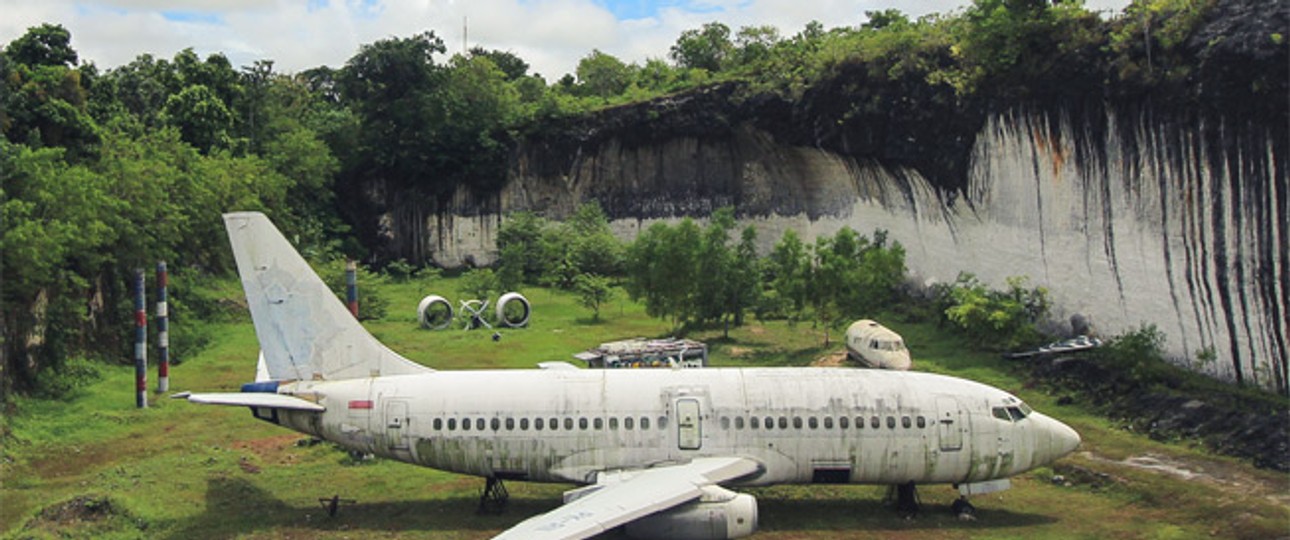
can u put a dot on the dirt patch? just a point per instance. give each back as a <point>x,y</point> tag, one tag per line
<point>736,352</point>
<point>834,359</point>
<point>82,516</point>
<point>757,330</point>
<point>269,450</point>
<point>1226,477</point>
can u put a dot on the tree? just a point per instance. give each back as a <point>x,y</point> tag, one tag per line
<point>44,45</point>
<point>394,86</point>
<point>706,48</point>
<point>479,283</point>
<point>521,242</point>
<point>603,75</point>
<point>201,117</point>
<point>715,263</point>
<point>593,292</point>
<point>745,277</point>
<point>790,270</point>
<point>661,270</point>
<point>753,44</point>
<point>511,65</point>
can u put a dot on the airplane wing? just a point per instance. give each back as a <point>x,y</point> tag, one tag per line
<point>254,399</point>
<point>629,496</point>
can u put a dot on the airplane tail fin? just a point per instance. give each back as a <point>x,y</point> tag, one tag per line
<point>305,332</point>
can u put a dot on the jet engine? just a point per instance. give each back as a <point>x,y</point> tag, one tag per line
<point>717,515</point>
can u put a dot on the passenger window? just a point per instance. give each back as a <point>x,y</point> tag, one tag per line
<point>770,423</point>
<point>828,422</point>
<point>452,424</point>
<point>891,422</point>
<point>537,424</point>
<point>783,422</point>
<point>510,424</point>
<point>554,423</point>
<point>496,424</point>
<point>725,422</point>
<point>875,422</point>
<point>662,422</point>
<point>813,423</point>
<point>438,424</point>
<point>739,422</point>
<point>644,422</point>
<point>465,424</point>
<point>598,423</point>
<point>754,422</point>
<point>905,422</point>
<point>524,424</point>
<point>629,423</point>
<point>568,424</point>
<point>797,422</point>
<point>613,422</point>
<point>582,423</point>
<point>844,422</point>
<point>479,423</point>
<point>922,422</point>
<point>1001,414</point>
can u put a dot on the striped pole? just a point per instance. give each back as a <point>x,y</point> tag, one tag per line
<point>163,330</point>
<point>351,287</point>
<point>140,342</point>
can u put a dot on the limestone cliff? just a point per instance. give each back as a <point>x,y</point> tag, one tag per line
<point>1130,208</point>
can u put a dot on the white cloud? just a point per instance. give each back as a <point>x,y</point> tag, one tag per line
<point>552,35</point>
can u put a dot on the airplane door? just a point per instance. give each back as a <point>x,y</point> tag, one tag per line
<point>396,424</point>
<point>689,431</point>
<point>949,424</point>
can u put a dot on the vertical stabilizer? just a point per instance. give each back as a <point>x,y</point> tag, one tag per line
<point>305,332</point>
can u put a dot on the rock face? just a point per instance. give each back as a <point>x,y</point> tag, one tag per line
<point>1128,210</point>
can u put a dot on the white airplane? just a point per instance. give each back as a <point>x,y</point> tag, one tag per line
<point>655,450</point>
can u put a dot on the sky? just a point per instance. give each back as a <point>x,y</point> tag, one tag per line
<point>551,35</point>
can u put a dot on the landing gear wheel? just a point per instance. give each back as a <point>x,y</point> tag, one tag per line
<point>907,504</point>
<point>494,498</point>
<point>963,509</point>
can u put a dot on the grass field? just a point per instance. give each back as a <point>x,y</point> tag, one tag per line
<point>94,466</point>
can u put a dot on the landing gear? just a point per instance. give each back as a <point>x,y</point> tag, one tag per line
<point>906,496</point>
<point>494,498</point>
<point>963,509</point>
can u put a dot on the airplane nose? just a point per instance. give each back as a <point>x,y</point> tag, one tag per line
<point>1055,440</point>
<point>1066,439</point>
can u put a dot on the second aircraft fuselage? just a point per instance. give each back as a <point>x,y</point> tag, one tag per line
<point>802,425</point>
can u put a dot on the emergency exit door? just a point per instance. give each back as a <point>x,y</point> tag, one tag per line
<point>949,422</point>
<point>689,430</point>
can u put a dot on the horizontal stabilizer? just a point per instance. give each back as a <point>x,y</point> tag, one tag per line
<point>257,399</point>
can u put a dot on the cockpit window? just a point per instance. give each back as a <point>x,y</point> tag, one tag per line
<point>1025,409</point>
<point>1016,413</point>
<point>1001,413</point>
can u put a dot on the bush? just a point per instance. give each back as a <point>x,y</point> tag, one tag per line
<point>996,320</point>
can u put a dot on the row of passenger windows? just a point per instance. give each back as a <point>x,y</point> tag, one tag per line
<point>552,424</point>
<point>630,423</point>
<point>827,422</point>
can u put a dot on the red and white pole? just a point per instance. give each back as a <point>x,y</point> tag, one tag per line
<point>140,341</point>
<point>163,330</point>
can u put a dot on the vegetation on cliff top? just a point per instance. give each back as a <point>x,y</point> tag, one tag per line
<point>105,171</point>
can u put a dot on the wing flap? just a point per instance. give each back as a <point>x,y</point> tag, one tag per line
<point>630,496</point>
<point>256,399</point>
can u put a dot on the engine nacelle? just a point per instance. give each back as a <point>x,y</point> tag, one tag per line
<point>717,515</point>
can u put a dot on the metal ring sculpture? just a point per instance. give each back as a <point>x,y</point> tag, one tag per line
<point>432,317</point>
<point>513,321</point>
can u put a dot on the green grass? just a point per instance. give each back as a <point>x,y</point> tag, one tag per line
<point>177,470</point>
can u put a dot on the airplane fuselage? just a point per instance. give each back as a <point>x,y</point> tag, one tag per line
<point>802,425</point>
